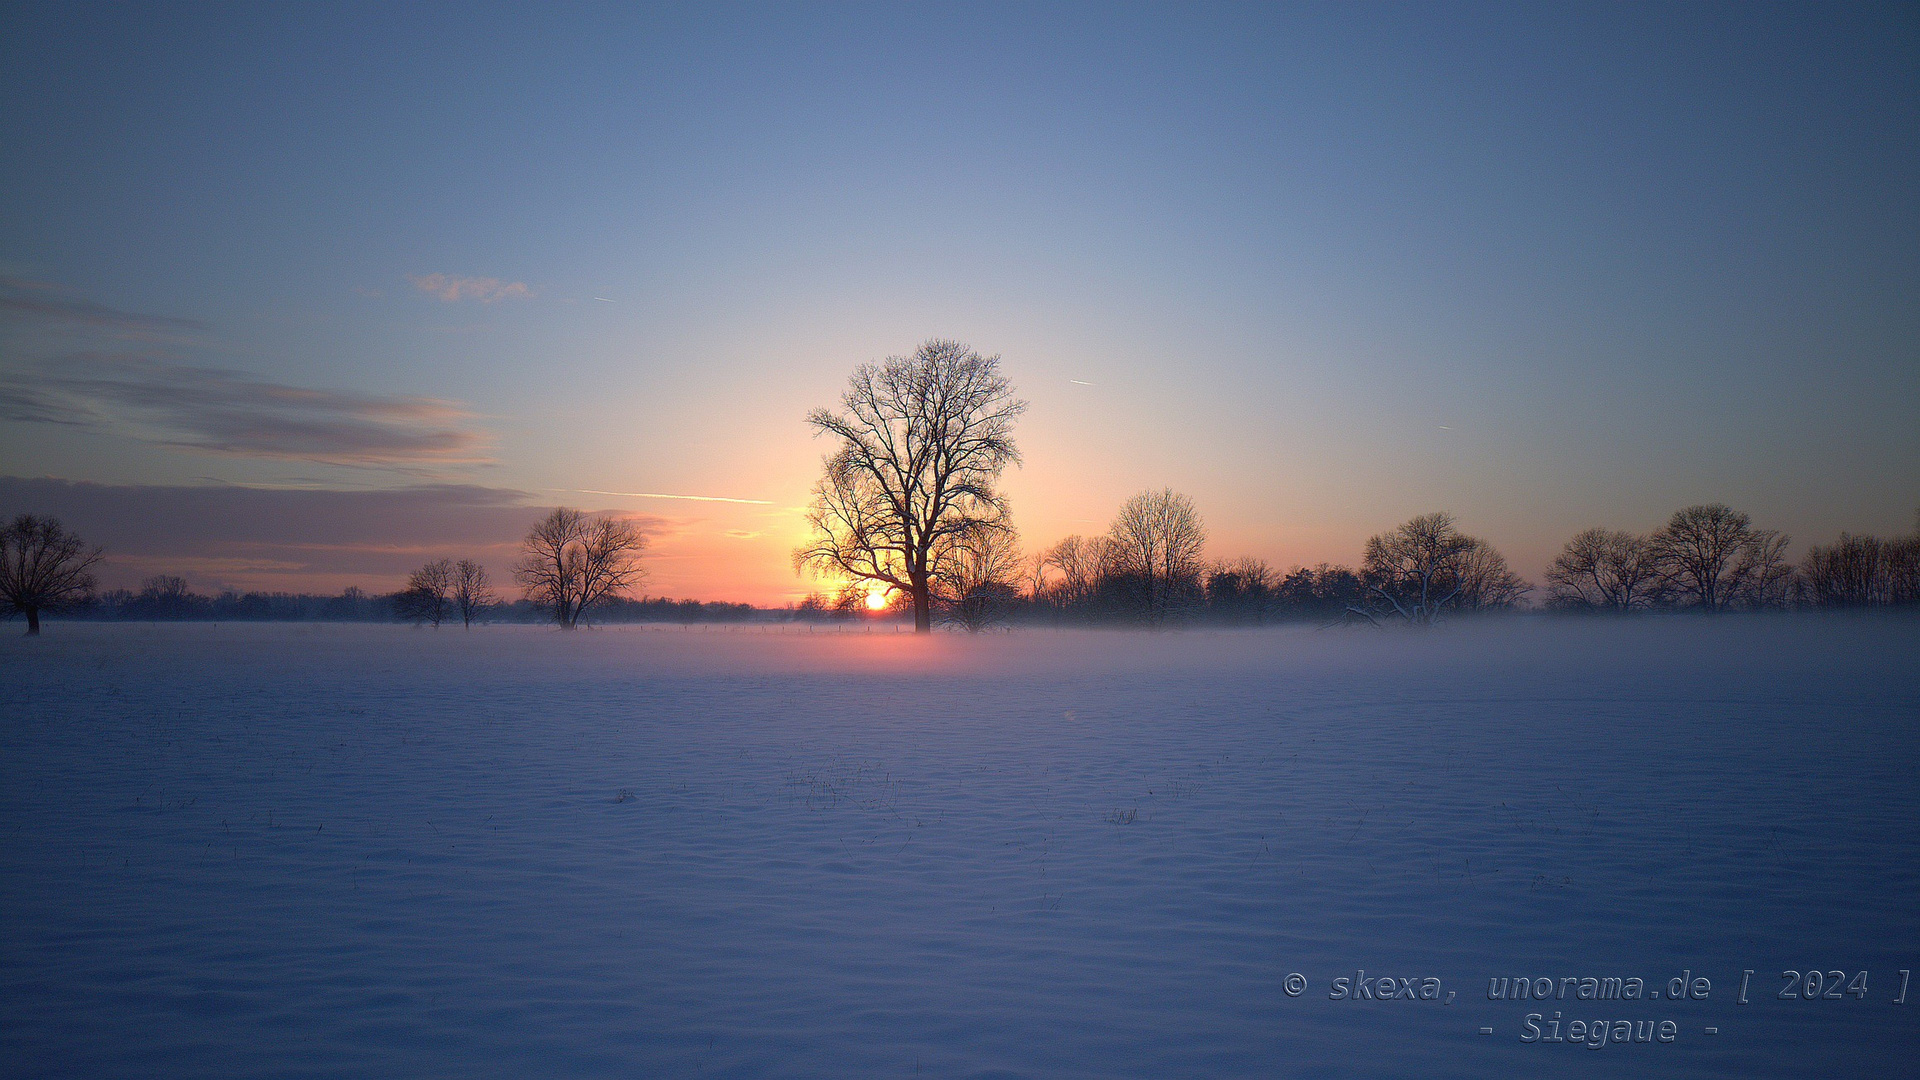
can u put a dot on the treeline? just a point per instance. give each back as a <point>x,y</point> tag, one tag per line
<point>168,598</point>
<point>1149,568</point>
<point>1712,558</point>
<point>909,514</point>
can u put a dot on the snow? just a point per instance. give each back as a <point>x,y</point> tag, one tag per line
<point>312,850</point>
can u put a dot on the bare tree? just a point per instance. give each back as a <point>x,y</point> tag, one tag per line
<point>1033,575</point>
<point>1427,567</point>
<point>1321,592</point>
<point>43,567</point>
<point>166,596</point>
<point>426,597</point>
<point>1080,561</point>
<point>974,586</point>
<point>1850,573</point>
<point>1762,577</point>
<point>1242,590</point>
<point>923,441</point>
<point>1157,539</point>
<point>1486,583</point>
<point>1903,567</point>
<point>1713,554</point>
<point>472,590</point>
<point>569,562</point>
<point>1605,569</point>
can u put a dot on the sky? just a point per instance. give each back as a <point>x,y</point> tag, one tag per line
<point>301,296</point>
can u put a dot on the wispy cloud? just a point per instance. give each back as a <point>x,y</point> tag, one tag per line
<point>243,536</point>
<point>453,289</point>
<point>658,495</point>
<point>26,404</point>
<point>215,410</point>
<point>28,301</point>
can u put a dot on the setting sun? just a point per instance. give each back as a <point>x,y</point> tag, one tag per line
<point>876,600</point>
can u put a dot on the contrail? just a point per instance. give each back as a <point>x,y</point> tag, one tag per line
<point>1082,382</point>
<point>603,299</point>
<point>658,495</point>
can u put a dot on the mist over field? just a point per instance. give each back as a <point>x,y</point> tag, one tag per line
<point>354,850</point>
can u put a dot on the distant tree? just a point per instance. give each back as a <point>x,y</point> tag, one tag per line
<point>570,562</point>
<point>1603,569</point>
<point>975,585</point>
<point>923,440</point>
<point>1033,575</point>
<point>1324,592</point>
<point>350,604</point>
<point>166,596</point>
<point>1080,561</point>
<point>472,590</point>
<point>427,595</point>
<point>43,567</point>
<point>1427,567</point>
<point>1486,584</point>
<point>1903,567</point>
<point>1241,590</point>
<point>1157,541</point>
<point>1861,571</point>
<point>1850,573</point>
<point>1762,577</point>
<point>1712,555</point>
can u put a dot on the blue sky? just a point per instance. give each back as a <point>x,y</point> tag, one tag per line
<point>1324,266</point>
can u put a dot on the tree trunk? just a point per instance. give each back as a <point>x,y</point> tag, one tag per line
<point>33,622</point>
<point>922,610</point>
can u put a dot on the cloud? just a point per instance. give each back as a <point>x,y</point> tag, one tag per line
<point>24,404</point>
<point>214,410</point>
<point>657,495</point>
<point>454,289</point>
<point>290,539</point>
<point>24,300</point>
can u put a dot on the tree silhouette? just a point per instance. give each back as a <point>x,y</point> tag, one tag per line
<point>1081,561</point>
<point>1157,541</point>
<point>1241,590</point>
<point>975,583</point>
<point>569,562</point>
<point>1713,554</point>
<point>472,590</point>
<point>1426,567</point>
<point>1607,570</point>
<point>43,567</point>
<point>426,597</point>
<point>923,441</point>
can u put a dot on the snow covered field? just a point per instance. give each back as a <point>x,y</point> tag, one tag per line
<point>307,850</point>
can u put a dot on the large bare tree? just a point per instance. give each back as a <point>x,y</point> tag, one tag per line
<point>1157,540</point>
<point>923,440</point>
<point>1427,567</point>
<point>569,562</point>
<point>1605,569</point>
<point>1713,554</point>
<point>43,567</point>
<point>1486,582</point>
